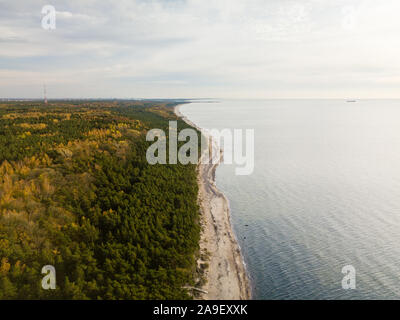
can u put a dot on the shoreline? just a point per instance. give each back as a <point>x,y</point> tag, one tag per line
<point>226,276</point>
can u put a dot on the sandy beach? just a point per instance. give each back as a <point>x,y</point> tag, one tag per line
<point>226,276</point>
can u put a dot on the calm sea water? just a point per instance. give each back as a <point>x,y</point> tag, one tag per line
<point>325,193</point>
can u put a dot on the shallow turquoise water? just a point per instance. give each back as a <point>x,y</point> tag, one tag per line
<point>325,193</point>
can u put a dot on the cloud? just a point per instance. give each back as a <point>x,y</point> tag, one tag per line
<point>197,48</point>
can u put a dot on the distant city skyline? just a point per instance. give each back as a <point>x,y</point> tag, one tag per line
<point>195,49</point>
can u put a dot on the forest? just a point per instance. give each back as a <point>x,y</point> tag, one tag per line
<point>77,193</point>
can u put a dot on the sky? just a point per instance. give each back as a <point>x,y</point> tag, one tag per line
<point>201,49</point>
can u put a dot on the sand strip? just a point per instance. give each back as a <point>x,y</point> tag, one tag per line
<point>226,275</point>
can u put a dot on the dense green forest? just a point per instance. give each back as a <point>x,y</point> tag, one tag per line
<point>76,192</point>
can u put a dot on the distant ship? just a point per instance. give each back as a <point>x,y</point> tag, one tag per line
<point>351,100</point>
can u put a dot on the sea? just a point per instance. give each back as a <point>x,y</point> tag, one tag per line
<point>319,217</point>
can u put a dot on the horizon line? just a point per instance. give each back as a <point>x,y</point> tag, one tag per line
<point>186,99</point>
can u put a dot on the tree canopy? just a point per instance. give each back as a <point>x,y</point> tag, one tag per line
<point>76,192</point>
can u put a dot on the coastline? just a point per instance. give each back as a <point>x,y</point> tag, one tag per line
<point>226,276</point>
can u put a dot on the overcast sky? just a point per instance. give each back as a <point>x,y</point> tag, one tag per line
<point>201,48</point>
